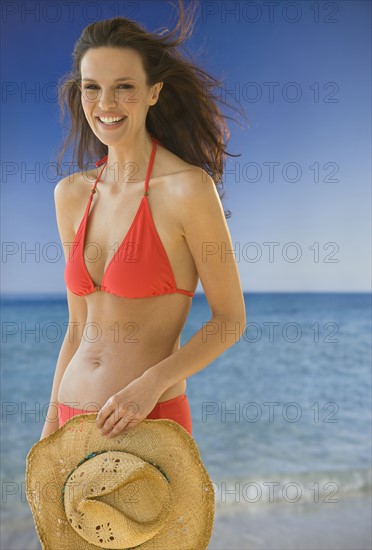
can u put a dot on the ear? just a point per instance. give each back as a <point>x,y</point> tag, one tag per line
<point>156,92</point>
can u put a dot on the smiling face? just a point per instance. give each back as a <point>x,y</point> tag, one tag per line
<point>113,85</point>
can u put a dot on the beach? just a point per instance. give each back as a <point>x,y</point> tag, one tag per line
<point>347,525</point>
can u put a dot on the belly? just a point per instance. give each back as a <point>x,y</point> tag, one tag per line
<point>104,365</point>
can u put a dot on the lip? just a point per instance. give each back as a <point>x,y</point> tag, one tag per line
<point>110,128</point>
<point>110,115</point>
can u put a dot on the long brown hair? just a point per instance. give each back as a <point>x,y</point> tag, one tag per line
<point>186,118</point>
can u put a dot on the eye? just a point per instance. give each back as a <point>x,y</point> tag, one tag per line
<point>93,86</point>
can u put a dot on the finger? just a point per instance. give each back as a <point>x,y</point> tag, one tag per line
<point>102,417</point>
<point>117,427</point>
<point>113,419</point>
<point>123,426</point>
<point>104,413</point>
<point>123,412</point>
<point>108,420</point>
<point>117,412</point>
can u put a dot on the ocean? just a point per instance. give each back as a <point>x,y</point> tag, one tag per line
<point>282,419</point>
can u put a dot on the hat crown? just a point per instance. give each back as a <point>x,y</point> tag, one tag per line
<point>116,499</point>
<point>159,452</point>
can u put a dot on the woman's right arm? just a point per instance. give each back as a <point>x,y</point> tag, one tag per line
<point>77,308</point>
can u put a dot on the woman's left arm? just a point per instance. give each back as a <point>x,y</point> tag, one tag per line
<point>208,238</point>
<point>207,235</point>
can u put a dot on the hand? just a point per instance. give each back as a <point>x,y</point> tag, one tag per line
<point>126,408</point>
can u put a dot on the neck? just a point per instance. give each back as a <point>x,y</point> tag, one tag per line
<point>127,163</point>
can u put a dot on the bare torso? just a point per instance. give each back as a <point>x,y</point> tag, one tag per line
<point>124,337</point>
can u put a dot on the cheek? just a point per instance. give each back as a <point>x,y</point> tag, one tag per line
<point>89,117</point>
<point>134,102</point>
<point>87,106</point>
<point>88,109</point>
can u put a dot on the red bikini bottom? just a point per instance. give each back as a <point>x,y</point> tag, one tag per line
<point>177,409</point>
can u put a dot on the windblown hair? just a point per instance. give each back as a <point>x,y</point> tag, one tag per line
<point>186,119</point>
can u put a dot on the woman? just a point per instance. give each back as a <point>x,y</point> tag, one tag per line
<point>139,230</point>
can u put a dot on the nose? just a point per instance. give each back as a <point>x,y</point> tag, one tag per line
<point>107,99</point>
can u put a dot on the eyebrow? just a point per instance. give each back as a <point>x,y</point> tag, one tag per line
<point>116,79</point>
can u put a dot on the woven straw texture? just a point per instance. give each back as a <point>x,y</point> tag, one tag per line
<point>166,501</point>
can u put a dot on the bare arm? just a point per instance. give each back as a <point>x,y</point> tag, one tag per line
<point>208,238</point>
<point>76,304</point>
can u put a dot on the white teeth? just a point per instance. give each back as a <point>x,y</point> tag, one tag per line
<point>110,120</point>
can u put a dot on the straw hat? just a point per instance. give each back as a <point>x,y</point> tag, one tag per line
<point>146,488</point>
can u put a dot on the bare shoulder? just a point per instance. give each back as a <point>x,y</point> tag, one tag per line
<point>195,191</point>
<point>74,184</point>
<point>188,182</point>
<point>70,196</point>
<point>196,184</point>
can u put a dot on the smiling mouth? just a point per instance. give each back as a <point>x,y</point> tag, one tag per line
<point>110,121</point>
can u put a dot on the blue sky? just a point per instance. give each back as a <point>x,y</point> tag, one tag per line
<point>300,192</point>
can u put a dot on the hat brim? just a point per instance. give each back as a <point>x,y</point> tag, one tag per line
<point>162,442</point>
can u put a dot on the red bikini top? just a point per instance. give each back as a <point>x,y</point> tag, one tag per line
<point>140,268</point>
